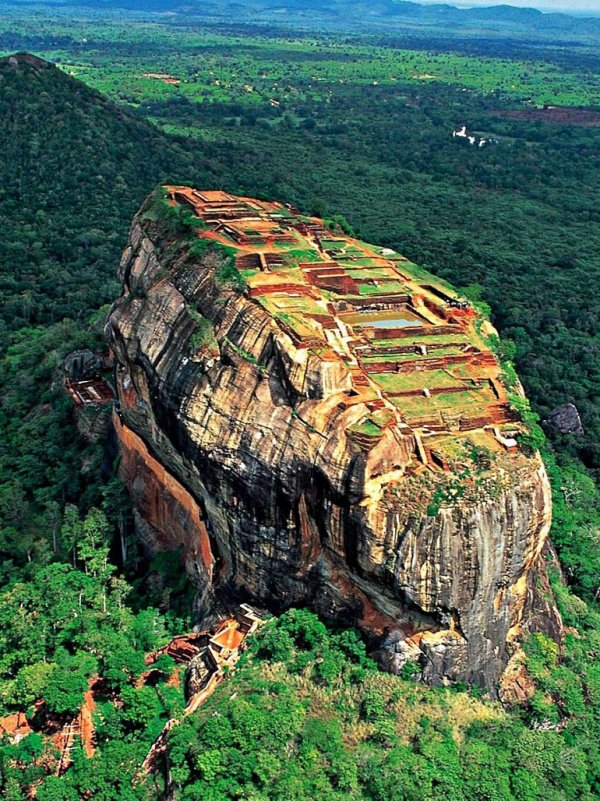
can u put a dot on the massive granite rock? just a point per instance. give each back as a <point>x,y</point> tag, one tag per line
<point>244,447</point>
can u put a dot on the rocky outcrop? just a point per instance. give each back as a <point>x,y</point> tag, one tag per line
<point>238,448</point>
<point>565,419</point>
<point>82,365</point>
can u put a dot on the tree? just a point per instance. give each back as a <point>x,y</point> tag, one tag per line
<point>66,684</point>
<point>55,788</point>
<point>31,682</point>
<point>121,661</point>
<point>117,507</point>
<point>141,708</point>
<point>94,549</point>
<point>51,521</point>
<point>71,531</point>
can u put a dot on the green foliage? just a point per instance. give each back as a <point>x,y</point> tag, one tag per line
<point>182,222</point>
<point>122,659</point>
<point>228,276</point>
<point>575,528</point>
<point>41,458</point>
<point>277,730</point>
<point>176,218</point>
<point>61,628</point>
<point>300,640</point>
<point>533,438</point>
<point>565,687</point>
<point>339,223</point>
<point>64,613</point>
<point>66,684</point>
<point>474,293</point>
<point>166,586</point>
<point>74,170</point>
<point>204,335</point>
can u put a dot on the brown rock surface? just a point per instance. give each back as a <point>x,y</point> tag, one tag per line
<point>257,460</point>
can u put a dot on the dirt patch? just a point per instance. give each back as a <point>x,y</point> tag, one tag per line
<point>555,115</point>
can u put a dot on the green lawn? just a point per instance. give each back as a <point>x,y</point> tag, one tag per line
<point>383,288</point>
<point>414,356</point>
<point>403,382</point>
<point>420,339</point>
<point>366,428</point>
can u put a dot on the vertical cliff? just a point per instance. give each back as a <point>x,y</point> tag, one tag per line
<point>317,421</point>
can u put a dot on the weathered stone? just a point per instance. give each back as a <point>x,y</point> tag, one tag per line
<point>246,462</point>
<point>566,419</point>
<point>83,364</point>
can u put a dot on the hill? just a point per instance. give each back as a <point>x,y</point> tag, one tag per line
<point>74,167</point>
<point>346,13</point>
<point>400,419</point>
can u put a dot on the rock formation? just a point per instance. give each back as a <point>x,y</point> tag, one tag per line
<point>318,422</point>
<point>565,419</point>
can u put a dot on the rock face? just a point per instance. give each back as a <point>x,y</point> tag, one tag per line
<point>566,419</point>
<point>289,476</point>
<point>82,365</point>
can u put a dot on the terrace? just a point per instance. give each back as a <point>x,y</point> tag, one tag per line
<point>404,317</point>
<point>330,276</point>
<point>410,343</point>
<point>89,392</point>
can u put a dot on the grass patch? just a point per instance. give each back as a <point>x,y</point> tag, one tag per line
<point>403,382</point>
<point>204,335</point>
<point>383,288</point>
<point>367,428</point>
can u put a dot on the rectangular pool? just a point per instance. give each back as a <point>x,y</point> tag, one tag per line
<point>390,319</point>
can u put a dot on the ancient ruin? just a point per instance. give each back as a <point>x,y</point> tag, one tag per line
<point>210,657</point>
<point>84,380</point>
<point>416,352</point>
<point>316,420</point>
<point>207,657</point>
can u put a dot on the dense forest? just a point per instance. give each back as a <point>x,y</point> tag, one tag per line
<point>307,714</point>
<point>74,171</point>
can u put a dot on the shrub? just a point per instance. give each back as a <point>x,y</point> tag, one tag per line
<point>228,275</point>
<point>204,335</point>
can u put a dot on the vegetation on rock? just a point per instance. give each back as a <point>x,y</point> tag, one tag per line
<point>312,717</point>
<point>345,730</point>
